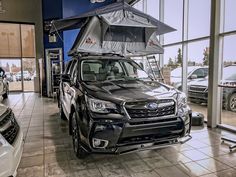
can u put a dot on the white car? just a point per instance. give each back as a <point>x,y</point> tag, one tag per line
<point>11,142</point>
<point>26,76</point>
<point>194,73</point>
<point>4,87</point>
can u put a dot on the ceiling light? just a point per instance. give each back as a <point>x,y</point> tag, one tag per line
<point>94,1</point>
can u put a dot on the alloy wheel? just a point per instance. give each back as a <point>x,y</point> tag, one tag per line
<point>75,137</point>
<point>232,103</point>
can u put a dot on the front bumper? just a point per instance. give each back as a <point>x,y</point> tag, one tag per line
<point>198,96</point>
<point>127,136</point>
<point>10,156</point>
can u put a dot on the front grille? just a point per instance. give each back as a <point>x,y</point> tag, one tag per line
<point>166,120</point>
<point>11,132</point>
<point>198,88</point>
<point>197,94</point>
<point>5,117</point>
<point>139,109</point>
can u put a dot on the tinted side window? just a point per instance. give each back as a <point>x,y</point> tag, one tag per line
<point>74,73</point>
<point>71,67</point>
<point>67,67</point>
<point>205,72</point>
<point>199,73</point>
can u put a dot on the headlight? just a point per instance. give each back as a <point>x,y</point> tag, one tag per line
<point>182,100</point>
<point>100,106</point>
<point>2,141</point>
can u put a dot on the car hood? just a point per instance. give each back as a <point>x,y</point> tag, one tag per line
<point>3,109</point>
<point>175,79</point>
<point>135,90</point>
<point>200,82</point>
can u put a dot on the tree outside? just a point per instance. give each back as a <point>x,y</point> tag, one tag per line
<point>206,56</point>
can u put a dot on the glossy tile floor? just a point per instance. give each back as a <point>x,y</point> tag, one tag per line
<point>48,150</point>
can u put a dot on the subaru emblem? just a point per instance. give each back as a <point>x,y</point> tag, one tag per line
<point>152,106</point>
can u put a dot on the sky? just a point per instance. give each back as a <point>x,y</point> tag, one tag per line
<point>199,26</point>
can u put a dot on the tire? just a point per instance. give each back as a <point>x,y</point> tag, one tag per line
<point>62,114</point>
<point>77,145</point>
<point>5,95</point>
<point>232,103</point>
<point>179,88</point>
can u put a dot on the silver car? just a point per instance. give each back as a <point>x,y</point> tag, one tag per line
<point>194,73</point>
<point>4,87</point>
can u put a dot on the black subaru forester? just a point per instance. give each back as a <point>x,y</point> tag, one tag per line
<point>113,106</point>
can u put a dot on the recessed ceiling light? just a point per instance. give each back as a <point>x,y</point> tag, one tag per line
<point>94,1</point>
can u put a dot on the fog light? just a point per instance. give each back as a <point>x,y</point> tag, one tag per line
<point>100,128</point>
<point>99,143</point>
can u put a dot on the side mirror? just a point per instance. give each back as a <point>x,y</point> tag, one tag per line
<point>194,76</point>
<point>141,65</point>
<point>151,76</point>
<point>66,78</point>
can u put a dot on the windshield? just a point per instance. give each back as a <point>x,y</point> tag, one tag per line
<point>110,69</point>
<point>229,73</point>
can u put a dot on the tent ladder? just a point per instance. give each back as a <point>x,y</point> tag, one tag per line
<point>155,68</point>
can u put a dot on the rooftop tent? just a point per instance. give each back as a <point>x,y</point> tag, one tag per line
<point>117,28</point>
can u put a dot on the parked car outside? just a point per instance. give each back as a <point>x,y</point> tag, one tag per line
<point>194,73</point>
<point>26,76</point>
<point>112,106</point>
<point>9,76</point>
<point>11,142</point>
<point>198,90</point>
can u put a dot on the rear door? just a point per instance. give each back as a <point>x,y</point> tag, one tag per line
<point>64,88</point>
<point>68,91</point>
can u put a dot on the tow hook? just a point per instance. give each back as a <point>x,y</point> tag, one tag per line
<point>185,139</point>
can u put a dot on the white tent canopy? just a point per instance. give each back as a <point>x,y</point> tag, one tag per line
<point>117,28</point>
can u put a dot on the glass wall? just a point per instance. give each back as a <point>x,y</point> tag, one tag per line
<point>229,14</point>
<point>196,14</point>
<point>198,58</point>
<point>153,8</point>
<point>12,68</point>
<point>18,49</point>
<point>139,5</point>
<point>199,18</point>
<point>228,81</point>
<point>27,39</point>
<point>10,45</point>
<point>173,16</point>
<point>29,72</point>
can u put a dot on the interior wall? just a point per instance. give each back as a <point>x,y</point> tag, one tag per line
<point>25,11</point>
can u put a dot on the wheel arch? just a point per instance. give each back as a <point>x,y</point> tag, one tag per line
<point>72,110</point>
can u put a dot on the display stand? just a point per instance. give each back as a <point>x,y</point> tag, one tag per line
<point>231,140</point>
<point>228,139</point>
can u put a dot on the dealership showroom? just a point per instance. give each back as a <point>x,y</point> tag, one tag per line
<point>117,88</point>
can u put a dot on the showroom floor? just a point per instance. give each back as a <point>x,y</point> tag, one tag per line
<point>48,150</point>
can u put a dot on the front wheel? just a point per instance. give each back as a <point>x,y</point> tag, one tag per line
<point>62,114</point>
<point>77,146</point>
<point>232,103</point>
<point>5,95</point>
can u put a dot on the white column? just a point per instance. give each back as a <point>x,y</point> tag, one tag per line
<point>214,99</point>
<point>185,46</point>
<point>161,38</point>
